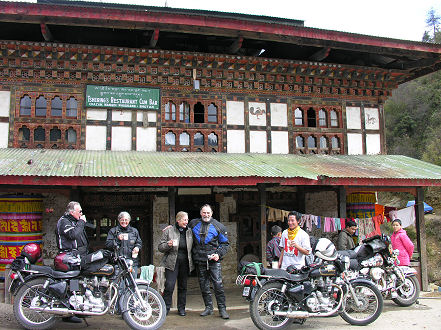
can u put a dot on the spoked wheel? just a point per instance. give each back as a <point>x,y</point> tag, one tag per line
<point>269,299</point>
<point>33,295</point>
<point>408,293</point>
<point>148,318</point>
<point>368,306</point>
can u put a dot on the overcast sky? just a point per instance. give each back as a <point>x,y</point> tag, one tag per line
<point>402,19</point>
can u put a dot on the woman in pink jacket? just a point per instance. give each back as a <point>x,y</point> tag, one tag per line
<point>402,242</point>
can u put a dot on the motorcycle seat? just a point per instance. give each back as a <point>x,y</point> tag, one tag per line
<point>349,253</point>
<point>283,274</point>
<point>54,273</point>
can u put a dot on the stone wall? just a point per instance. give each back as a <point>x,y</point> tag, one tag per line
<point>54,206</point>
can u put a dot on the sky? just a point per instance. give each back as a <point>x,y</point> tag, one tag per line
<point>400,19</point>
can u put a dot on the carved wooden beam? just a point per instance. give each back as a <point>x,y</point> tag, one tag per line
<point>236,45</point>
<point>154,38</point>
<point>321,54</point>
<point>47,35</point>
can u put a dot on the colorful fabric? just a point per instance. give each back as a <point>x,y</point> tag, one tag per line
<point>292,233</point>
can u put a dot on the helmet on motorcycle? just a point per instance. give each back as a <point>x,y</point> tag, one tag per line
<point>66,262</point>
<point>325,249</point>
<point>32,252</point>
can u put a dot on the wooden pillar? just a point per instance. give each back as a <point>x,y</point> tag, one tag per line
<point>342,202</point>
<point>262,203</point>
<point>171,205</point>
<point>421,237</point>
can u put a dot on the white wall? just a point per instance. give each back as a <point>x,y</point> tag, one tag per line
<point>373,144</point>
<point>279,114</point>
<point>353,117</point>
<point>121,139</point>
<point>96,114</point>
<point>235,113</point>
<point>235,141</point>
<point>95,137</point>
<point>258,142</point>
<point>122,115</point>
<point>355,144</point>
<point>259,118</point>
<point>151,116</point>
<point>146,139</point>
<point>4,133</point>
<point>279,142</point>
<point>5,103</point>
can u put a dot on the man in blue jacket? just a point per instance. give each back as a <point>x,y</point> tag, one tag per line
<point>210,244</point>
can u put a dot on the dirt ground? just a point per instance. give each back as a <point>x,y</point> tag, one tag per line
<point>424,315</point>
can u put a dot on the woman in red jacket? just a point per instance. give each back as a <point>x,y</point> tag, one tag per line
<point>402,242</point>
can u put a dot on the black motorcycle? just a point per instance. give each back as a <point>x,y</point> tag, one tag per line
<point>279,298</point>
<point>42,293</point>
<point>375,260</point>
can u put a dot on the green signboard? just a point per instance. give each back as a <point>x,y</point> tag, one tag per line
<point>122,97</point>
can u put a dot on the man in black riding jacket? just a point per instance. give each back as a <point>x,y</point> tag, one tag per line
<point>210,244</point>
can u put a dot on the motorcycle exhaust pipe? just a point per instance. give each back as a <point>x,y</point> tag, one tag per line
<point>294,314</point>
<point>64,311</point>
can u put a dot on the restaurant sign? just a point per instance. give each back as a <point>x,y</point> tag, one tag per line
<point>122,97</point>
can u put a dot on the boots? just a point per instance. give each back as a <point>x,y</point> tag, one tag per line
<point>208,311</point>
<point>223,313</point>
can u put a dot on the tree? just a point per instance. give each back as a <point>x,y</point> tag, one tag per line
<point>432,21</point>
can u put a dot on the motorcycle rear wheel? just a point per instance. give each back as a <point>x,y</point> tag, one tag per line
<point>371,304</point>
<point>408,293</point>
<point>31,294</point>
<point>136,317</point>
<point>268,299</point>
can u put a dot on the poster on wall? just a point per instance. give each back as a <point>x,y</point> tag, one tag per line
<point>122,97</point>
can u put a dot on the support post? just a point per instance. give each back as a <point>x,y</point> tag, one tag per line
<point>171,205</point>
<point>421,237</point>
<point>262,203</point>
<point>342,201</point>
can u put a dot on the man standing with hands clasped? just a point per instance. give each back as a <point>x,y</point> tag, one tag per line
<point>210,244</point>
<point>295,244</point>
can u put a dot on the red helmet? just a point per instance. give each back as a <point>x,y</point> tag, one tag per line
<point>32,251</point>
<point>66,262</point>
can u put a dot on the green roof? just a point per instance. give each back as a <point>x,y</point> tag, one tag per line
<point>135,164</point>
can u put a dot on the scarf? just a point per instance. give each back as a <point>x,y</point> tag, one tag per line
<point>293,233</point>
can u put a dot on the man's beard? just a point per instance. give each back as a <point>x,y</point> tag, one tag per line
<point>206,219</point>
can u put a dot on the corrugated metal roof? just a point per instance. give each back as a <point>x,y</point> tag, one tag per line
<point>113,164</point>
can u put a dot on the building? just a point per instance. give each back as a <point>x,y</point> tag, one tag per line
<point>154,110</point>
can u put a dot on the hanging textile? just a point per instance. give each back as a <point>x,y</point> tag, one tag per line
<point>361,205</point>
<point>406,215</point>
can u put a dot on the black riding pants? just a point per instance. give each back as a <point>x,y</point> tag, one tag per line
<point>211,272</point>
<point>181,274</point>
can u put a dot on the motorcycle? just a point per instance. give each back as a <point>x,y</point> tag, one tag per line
<point>375,260</point>
<point>42,293</point>
<point>279,298</point>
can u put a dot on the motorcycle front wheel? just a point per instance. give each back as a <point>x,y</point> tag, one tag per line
<point>408,293</point>
<point>33,294</point>
<point>369,306</point>
<point>267,300</point>
<point>139,318</point>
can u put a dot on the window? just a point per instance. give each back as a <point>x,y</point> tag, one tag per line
<point>323,143</point>
<point>212,113</point>
<point>298,114</point>
<point>54,135</point>
<point>56,107</point>
<point>212,139</point>
<point>322,118</point>
<point>184,139</point>
<point>24,134</point>
<point>300,142</point>
<point>199,113</point>
<point>170,111</point>
<point>71,136</point>
<point>335,142</point>
<point>170,139</point>
<point>40,107</point>
<point>334,118</point>
<point>311,118</point>
<point>184,112</point>
<point>198,139</point>
<point>71,107</point>
<point>312,142</point>
<point>25,106</point>
<point>39,134</point>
